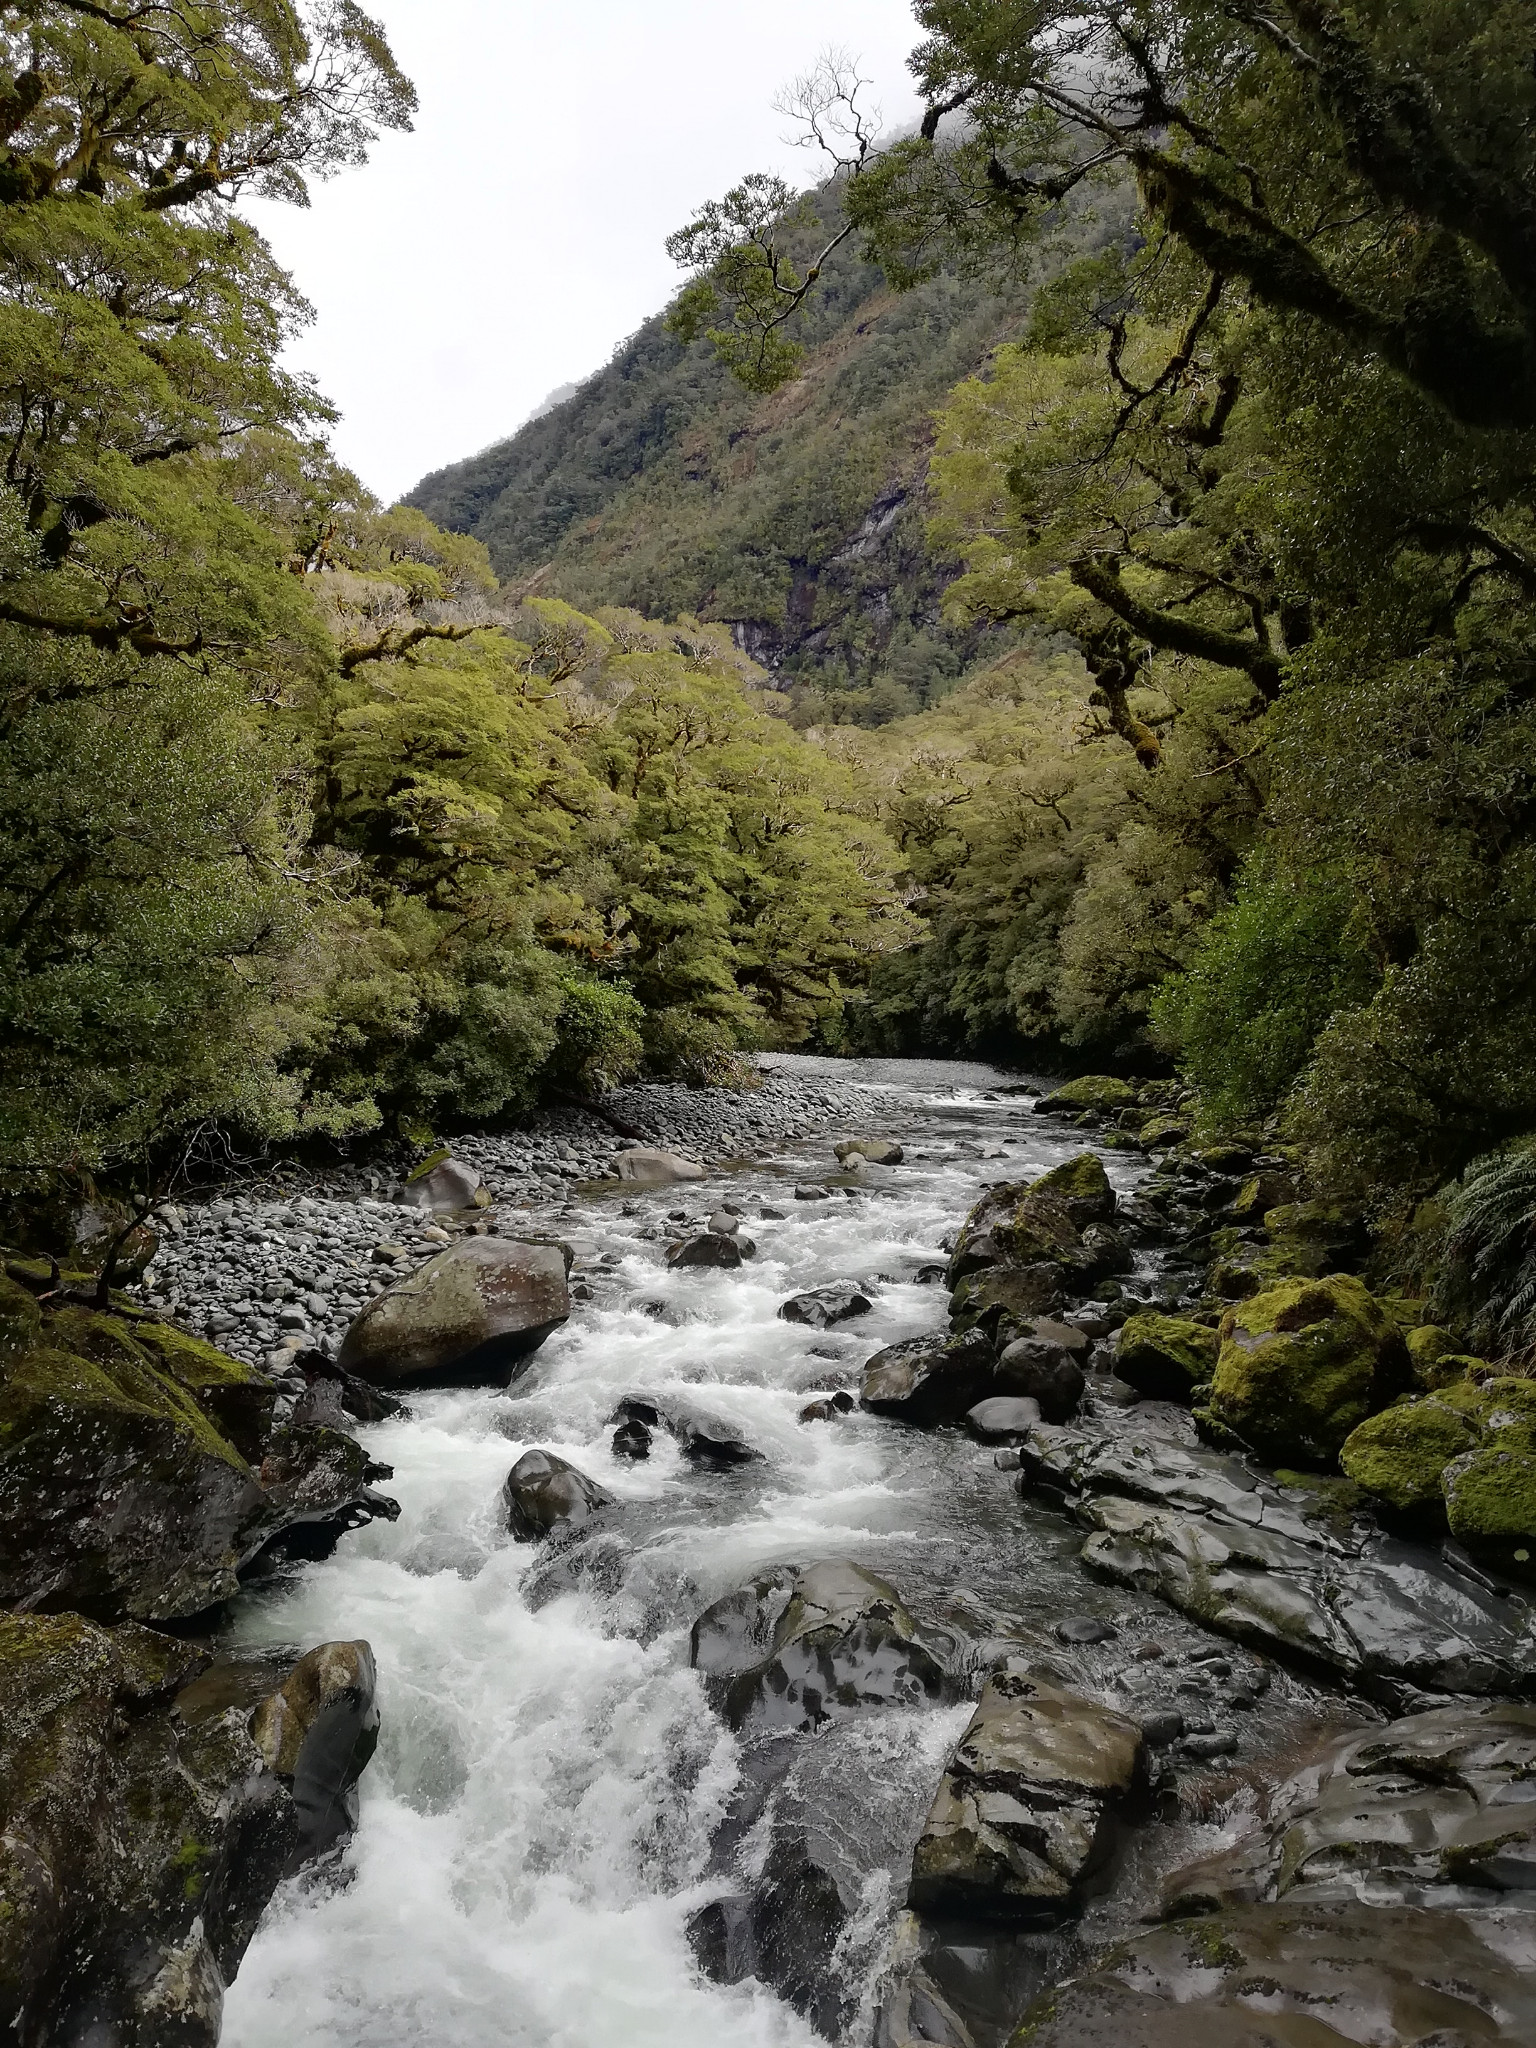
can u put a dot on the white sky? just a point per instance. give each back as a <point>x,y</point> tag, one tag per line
<point>508,244</point>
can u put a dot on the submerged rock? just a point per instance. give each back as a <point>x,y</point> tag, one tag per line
<point>797,1649</point>
<point>544,1493</point>
<point>703,1437</point>
<point>1322,1976</point>
<point>153,1801</point>
<point>121,1495</point>
<point>1026,1808</point>
<point>1301,1366</point>
<point>467,1317</point>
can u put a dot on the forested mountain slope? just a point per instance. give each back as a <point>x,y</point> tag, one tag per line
<point>797,519</point>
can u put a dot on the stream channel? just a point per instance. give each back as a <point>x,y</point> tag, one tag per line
<point>544,1814</point>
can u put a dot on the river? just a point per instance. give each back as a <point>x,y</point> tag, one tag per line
<point>536,1826</point>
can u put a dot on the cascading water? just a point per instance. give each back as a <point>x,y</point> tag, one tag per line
<point>536,1827</point>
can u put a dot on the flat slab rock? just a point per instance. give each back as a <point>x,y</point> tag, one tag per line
<point>1026,1808</point>
<point>798,1649</point>
<point>1435,1809</point>
<point>1268,1566</point>
<point>1305,1977</point>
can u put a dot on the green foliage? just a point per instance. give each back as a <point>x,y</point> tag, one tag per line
<point>1491,1246</point>
<point>1273,967</point>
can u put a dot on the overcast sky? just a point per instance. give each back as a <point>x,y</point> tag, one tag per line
<point>515,237</point>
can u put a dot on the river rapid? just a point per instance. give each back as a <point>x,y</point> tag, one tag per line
<point>537,1825</point>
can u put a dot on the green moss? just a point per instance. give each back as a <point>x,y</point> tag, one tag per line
<point>1260,1193</point>
<point>1165,1357</point>
<point>1099,1092</point>
<point>118,1382</point>
<point>20,1320</point>
<point>433,1159</point>
<point>1081,1180</point>
<point>1302,1365</point>
<point>1319,1222</point>
<point>1399,1455</point>
<point>1490,1501</point>
<point>1158,1132</point>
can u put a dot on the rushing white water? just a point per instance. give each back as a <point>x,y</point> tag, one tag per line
<point>536,1824</point>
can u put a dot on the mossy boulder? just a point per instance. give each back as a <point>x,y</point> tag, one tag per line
<point>1260,1193</point>
<point>1161,1131</point>
<point>1165,1358</point>
<point>145,1826</point>
<point>1100,1093</point>
<point>1301,1366</point>
<point>121,1495</point>
<point>1490,1502</point>
<point>1398,1455</point>
<point>1042,1224</point>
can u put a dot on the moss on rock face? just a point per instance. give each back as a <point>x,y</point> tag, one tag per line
<point>1099,1092</point>
<point>1490,1502</point>
<point>1165,1357</point>
<point>1301,1366</point>
<point>1399,1455</point>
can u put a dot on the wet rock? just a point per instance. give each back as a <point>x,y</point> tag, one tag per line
<point>724,1223</point>
<point>812,1191</point>
<point>1433,1809</point>
<point>1164,1357</point>
<point>469,1316</point>
<point>152,1805</point>
<point>654,1167</point>
<point>1301,1366</point>
<point>446,1183</point>
<point>913,2011</point>
<point>1083,1628</point>
<point>1042,1369</point>
<point>631,1440</point>
<point>820,1307</point>
<point>929,1380</point>
<point>708,1250</point>
<point>1003,1419</point>
<point>828,1408</point>
<point>797,1649</point>
<point>699,1435</point>
<point>1002,1301</point>
<point>877,1151</point>
<point>1026,1808</point>
<point>1320,1976</point>
<point>120,1495</point>
<point>544,1492</point>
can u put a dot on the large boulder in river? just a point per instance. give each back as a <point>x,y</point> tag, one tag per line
<point>929,1380</point>
<point>1042,1224</point>
<point>797,1649</point>
<point>467,1317</point>
<point>1345,1976</point>
<point>153,1800</point>
<point>138,1470</point>
<point>655,1167</point>
<point>1043,1365</point>
<point>1026,1808</point>
<point>712,1248</point>
<point>1301,1366</point>
<point>544,1493</point>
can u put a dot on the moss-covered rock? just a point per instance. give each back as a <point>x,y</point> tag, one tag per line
<point>1490,1502</point>
<point>1101,1093</point>
<point>1165,1357</point>
<point>1161,1131</point>
<point>1042,1224</point>
<point>1260,1193</point>
<point>1398,1455</point>
<point>121,1494</point>
<point>1301,1366</point>
<point>145,1830</point>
